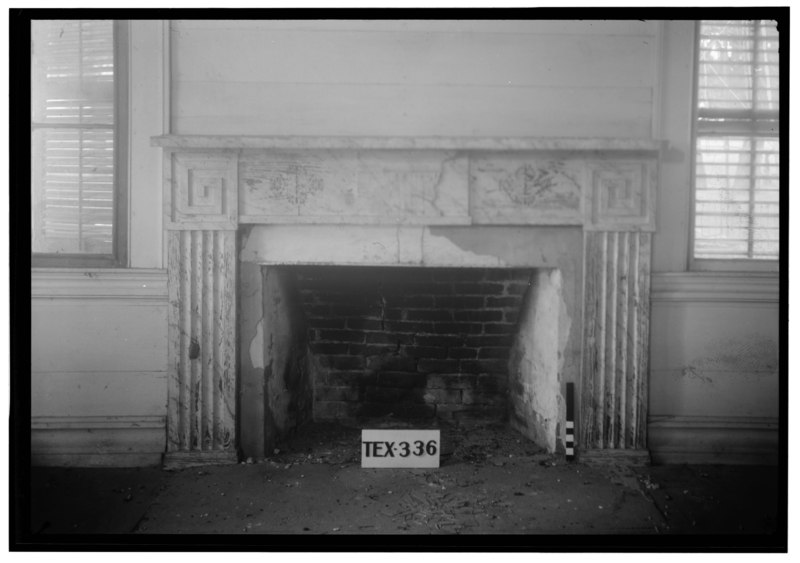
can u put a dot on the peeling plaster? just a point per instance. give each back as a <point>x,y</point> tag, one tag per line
<point>441,246</point>
<point>537,361</point>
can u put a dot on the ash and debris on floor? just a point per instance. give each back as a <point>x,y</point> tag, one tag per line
<point>491,480</point>
<point>337,444</point>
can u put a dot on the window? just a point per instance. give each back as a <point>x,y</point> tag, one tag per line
<point>736,170</point>
<point>78,101</point>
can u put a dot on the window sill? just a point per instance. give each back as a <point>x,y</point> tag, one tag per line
<point>74,261</point>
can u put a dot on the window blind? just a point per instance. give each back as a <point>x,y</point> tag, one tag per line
<point>737,198</point>
<point>72,125</point>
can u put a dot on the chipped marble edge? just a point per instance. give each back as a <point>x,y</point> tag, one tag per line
<point>410,143</point>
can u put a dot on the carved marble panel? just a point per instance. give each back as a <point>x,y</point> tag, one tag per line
<point>526,189</point>
<point>202,191</point>
<point>327,186</point>
<point>622,195</point>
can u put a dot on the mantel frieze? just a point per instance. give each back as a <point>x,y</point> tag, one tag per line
<point>215,183</point>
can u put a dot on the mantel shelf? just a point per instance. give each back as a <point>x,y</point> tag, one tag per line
<point>410,143</point>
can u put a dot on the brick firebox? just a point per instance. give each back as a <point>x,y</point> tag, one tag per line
<point>355,343</point>
<point>411,343</point>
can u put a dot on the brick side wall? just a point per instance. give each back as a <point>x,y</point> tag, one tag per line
<point>413,342</point>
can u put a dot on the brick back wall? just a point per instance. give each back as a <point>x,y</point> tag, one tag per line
<point>412,342</point>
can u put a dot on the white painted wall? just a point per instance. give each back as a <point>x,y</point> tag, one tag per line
<point>146,118</point>
<point>472,78</point>
<point>102,354</point>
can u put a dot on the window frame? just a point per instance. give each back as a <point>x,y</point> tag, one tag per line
<point>120,232</point>
<point>716,264</point>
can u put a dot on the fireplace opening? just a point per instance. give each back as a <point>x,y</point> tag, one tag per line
<point>414,344</point>
<point>417,346</point>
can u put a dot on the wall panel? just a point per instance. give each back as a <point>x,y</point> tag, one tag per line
<point>516,26</point>
<point>411,57</point>
<point>98,367</point>
<point>714,379</point>
<point>413,78</point>
<point>127,393</point>
<point>98,336</point>
<point>406,110</point>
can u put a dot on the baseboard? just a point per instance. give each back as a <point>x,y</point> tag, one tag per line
<point>115,460</point>
<point>632,458</point>
<point>182,460</point>
<point>98,441</point>
<point>713,440</point>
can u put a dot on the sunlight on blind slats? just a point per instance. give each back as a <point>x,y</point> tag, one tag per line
<point>737,148</point>
<point>73,112</point>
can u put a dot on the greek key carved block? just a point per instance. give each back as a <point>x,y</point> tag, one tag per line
<point>203,191</point>
<point>621,196</point>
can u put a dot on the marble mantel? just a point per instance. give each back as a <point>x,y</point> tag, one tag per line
<point>222,193</point>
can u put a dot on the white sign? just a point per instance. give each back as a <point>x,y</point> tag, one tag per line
<point>400,448</point>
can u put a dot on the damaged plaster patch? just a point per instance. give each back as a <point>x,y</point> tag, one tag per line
<point>440,247</point>
<point>257,346</point>
<point>538,359</point>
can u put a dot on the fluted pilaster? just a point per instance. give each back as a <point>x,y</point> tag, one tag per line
<point>616,325</point>
<point>202,346</point>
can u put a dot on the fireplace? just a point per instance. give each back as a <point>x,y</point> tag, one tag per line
<point>422,279</point>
